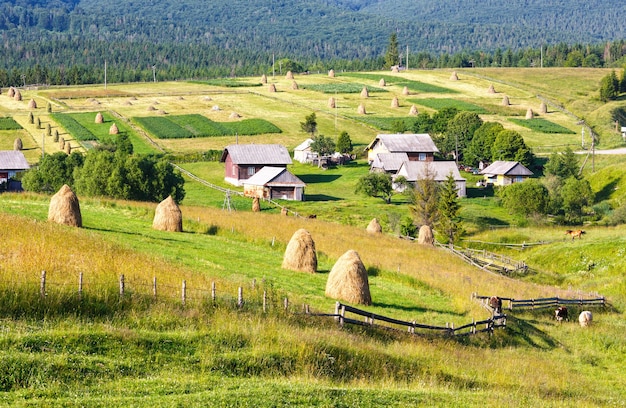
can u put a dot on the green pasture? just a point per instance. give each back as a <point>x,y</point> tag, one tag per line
<point>542,126</point>
<point>342,88</point>
<point>412,85</point>
<point>7,123</point>
<point>385,123</point>
<point>443,103</point>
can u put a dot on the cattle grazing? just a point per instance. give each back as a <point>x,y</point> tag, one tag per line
<point>496,304</point>
<point>575,233</point>
<point>585,318</point>
<point>561,314</point>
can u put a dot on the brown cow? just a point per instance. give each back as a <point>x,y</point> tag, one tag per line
<point>496,304</point>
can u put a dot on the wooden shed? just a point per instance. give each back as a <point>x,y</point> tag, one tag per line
<point>244,161</point>
<point>274,183</point>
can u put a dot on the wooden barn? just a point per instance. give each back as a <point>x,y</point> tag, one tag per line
<point>417,146</point>
<point>439,171</point>
<point>12,163</point>
<point>504,173</point>
<point>274,183</point>
<point>244,161</point>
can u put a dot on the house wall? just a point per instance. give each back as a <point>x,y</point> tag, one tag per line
<point>303,156</point>
<point>424,156</point>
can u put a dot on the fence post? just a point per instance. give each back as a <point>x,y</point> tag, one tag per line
<point>240,297</point>
<point>253,283</point>
<point>264,301</point>
<point>154,287</point>
<point>42,286</point>
<point>342,314</point>
<point>184,294</point>
<point>122,285</point>
<point>80,286</point>
<point>473,326</point>
<point>337,305</point>
<point>213,291</point>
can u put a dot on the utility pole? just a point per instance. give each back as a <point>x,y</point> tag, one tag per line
<point>154,73</point>
<point>105,74</point>
<point>407,57</point>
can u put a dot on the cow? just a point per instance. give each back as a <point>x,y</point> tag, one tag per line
<point>496,304</point>
<point>585,318</point>
<point>561,314</point>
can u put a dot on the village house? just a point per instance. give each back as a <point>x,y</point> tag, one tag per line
<point>504,173</point>
<point>12,164</point>
<point>274,183</point>
<point>438,170</point>
<point>244,161</point>
<point>388,162</point>
<point>303,152</point>
<point>418,147</point>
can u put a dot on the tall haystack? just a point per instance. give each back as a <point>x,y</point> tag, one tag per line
<point>17,144</point>
<point>264,79</point>
<point>151,108</point>
<point>32,104</point>
<point>300,254</point>
<point>347,280</point>
<point>167,216</point>
<point>491,89</point>
<point>331,103</point>
<point>413,111</point>
<point>234,115</point>
<point>67,149</point>
<point>395,69</point>
<point>543,108</point>
<point>294,85</point>
<point>289,75</point>
<point>374,227</point>
<point>405,90</point>
<point>18,95</point>
<point>256,204</point>
<point>99,118</point>
<point>382,82</point>
<point>62,144</point>
<point>426,236</point>
<point>505,101</point>
<point>454,76</point>
<point>11,92</point>
<point>361,110</point>
<point>113,130</point>
<point>394,102</point>
<point>64,208</point>
<point>272,88</point>
<point>365,93</point>
<point>529,113</point>
<point>331,73</point>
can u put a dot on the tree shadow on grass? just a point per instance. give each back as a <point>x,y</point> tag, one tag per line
<point>318,178</point>
<point>607,190</point>
<point>320,197</point>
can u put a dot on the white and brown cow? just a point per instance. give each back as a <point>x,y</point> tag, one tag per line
<point>496,304</point>
<point>560,314</point>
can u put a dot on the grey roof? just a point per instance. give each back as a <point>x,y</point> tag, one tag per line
<point>257,154</point>
<point>304,145</point>
<point>507,168</point>
<point>408,143</point>
<point>13,160</point>
<point>389,161</point>
<point>274,176</point>
<point>415,170</point>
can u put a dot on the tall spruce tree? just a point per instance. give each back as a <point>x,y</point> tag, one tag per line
<point>392,56</point>
<point>449,224</point>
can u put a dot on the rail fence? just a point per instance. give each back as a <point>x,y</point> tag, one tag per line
<point>541,303</point>
<point>370,319</point>
<point>487,261</point>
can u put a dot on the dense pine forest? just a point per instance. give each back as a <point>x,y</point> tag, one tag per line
<point>68,41</point>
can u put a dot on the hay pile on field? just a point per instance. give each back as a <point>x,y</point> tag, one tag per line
<point>395,69</point>
<point>167,216</point>
<point>151,108</point>
<point>256,204</point>
<point>68,149</point>
<point>289,75</point>
<point>543,108</point>
<point>331,103</point>
<point>128,103</point>
<point>283,211</point>
<point>365,93</point>
<point>374,227</point>
<point>264,79</point>
<point>113,130</point>
<point>62,143</point>
<point>99,118</point>
<point>294,86</point>
<point>505,101</point>
<point>529,113</point>
<point>413,111</point>
<point>454,76</point>
<point>331,73</point>
<point>95,102</point>
<point>11,92</point>
<point>161,112</point>
<point>64,208</point>
<point>491,89</point>
<point>361,110</point>
<point>405,90</point>
<point>180,98</point>
<point>133,98</point>
<point>18,95</point>
<point>17,144</point>
<point>234,115</point>
<point>382,82</point>
<point>300,254</point>
<point>394,102</point>
<point>272,88</point>
<point>348,280</point>
<point>32,104</point>
<point>426,236</point>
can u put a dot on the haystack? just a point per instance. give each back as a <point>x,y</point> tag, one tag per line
<point>151,108</point>
<point>68,149</point>
<point>289,75</point>
<point>17,144</point>
<point>505,101</point>
<point>272,88</point>
<point>32,104</point>
<point>18,95</point>
<point>64,208</point>
<point>180,98</point>
<point>167,216</point>
<point>264,79</point>
<point>11,92</point>
<point>331,73</point>
<point>454,76</point>
<point>394,102</point>
<point>256,204</point>
<point>161,112</point>
<point>62,144</point>
<point>365,93</point>
<point>491,89</point>
<point>113,130</point>
<point>283,211</point>
<point>234,115</point>
<point>361,110</point>
<point>331,103</point>
<point>425,236</point>
<point>413,110</point>
<point>382,82</point>
<point>216,108</point>
<point>374,227</point>
<point>395,69</point>
<point>543,108</point>
<point>300,254</point>
<point>529,113</point>
<point>99,118</point>
<point>347,280</point>
<point>294,86</point>
<point>405,90</point>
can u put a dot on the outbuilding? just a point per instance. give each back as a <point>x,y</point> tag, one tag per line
<point>244,161</point>
<point>274,183</point>
<point>12,164</point>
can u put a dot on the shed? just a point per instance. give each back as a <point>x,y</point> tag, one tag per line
<point>388,162</point>
<point>504,173</point>
<point>303,152</point>
<point>417,146</point>
<point>12,163</point>
<point>274,183</point>
<point>244,161</point>
<point>417,170</point>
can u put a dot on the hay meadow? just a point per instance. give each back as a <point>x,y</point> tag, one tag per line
<point>98,347</point>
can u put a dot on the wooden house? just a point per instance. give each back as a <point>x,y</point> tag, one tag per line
<point>303,152</point>
<point>504,173</point>
<point>12,164</point>
<point>388,162</point>
<point>417,146</point>
<point>274,183</point>
<point>244,161</point>
<point>413,171</point>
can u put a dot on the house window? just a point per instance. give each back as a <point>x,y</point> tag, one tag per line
<point>251,171</point>
<point>518,179</point>
<point>421,157</point>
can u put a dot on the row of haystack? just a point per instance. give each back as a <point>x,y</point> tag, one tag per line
<point>425,236</point>
<point>14,93</point>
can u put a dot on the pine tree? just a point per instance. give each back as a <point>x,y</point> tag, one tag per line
<point>424,199</point>
<point>449,224</point>
<point>392,56</point>
<point>344,143</point>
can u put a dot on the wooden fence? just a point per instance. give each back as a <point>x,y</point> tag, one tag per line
<point>379,321</point>
<point>541,303</point>
<point>487,261</point>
